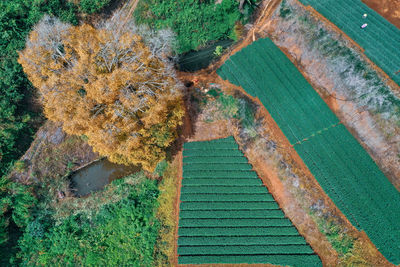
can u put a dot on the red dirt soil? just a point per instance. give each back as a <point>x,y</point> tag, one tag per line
<point>268,172</point>
<point>201,131</point>
<point>389,9</point>
<point>353,43</point>
<point>179,158</point>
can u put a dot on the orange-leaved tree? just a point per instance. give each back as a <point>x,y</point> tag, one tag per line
<point>109,84</point>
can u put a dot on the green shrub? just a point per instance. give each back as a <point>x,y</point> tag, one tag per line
<point>229,105</point>
<point>214,92</point>
<point>194,22</point>
<point>93,6</point>
<point>120,233</point>
<point>161,167</point>
<point>284,11</point>
<point>218,51</point>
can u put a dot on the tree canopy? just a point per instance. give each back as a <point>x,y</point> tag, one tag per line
<point>108,84</point>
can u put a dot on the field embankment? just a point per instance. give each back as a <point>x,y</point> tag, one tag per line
<point>227,215</point>
<point>341,166</point>
<point>358,95</point>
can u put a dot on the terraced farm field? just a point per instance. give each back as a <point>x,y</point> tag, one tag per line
<point>380,39</point>
<point>228,216</point>
<point>339,163</point>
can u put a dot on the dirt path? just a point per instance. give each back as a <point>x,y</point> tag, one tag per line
<point>177,203</point>
<point>366,127</point>
<point>354,45</point>
<point>389,9</point>
<point>270,173</point>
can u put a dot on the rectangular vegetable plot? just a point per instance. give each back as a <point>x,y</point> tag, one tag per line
<point>339,163</point>
<point>228,216</point>
<point>380,39</point>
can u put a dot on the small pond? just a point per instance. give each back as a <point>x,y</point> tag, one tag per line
<point>97,175</point>
<point>197,60</point>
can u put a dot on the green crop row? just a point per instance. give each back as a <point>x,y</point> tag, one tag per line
<point>212,160</point>
<point>360,187</point>
<point>237,231</point>
<point>299,112</point>
<point>241,240</point>
<point>208,214</point>
<point>223,190</point>
<point>380,39</point>
<point>225,209</point>
<point>246,250</point>
<point>213,153</point>
<point>218,174</point>
<point>250,197</point>
<point>221,181</point>
<point>197,144</point>
<point>229,205</point>
<point>211,146</point>
<point>264,222</point>
<point>339,163</point>
<point>287,260</point>
<point>218,166</point>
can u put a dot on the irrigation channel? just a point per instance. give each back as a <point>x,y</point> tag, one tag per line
<point>200,59</point>
<point>97,175</point>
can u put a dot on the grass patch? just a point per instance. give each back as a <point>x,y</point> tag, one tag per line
<point>164,249</point>
<point>194,22</point>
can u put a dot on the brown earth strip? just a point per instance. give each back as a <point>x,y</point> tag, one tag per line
<point>391,170</point>
<point>386,159</point>
<point>269,173</point>
<point>177,203</point>
<point>389,9</point>
<point>354,45</point>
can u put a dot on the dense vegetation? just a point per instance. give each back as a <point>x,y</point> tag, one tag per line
<point>195,22</point>
<point>18,120</point>
<point>120,230</point>
<point>342,167</point>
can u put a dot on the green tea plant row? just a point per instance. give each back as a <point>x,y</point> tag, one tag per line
<point>207,189</point>
<point>212,153</point>
<point>380,39</point>
<point>298,114</point>
<point>218,166</point>
<point>339,163</point>
<point>286,260</point>
<point>226,211</point>
<point>227,197</point>
<point>241,240</point>
<point>239,222</point>
<point>246,250</point>
<point>221,205</point>
<point>237,231</point>
<point>366,191</point>
<point>221,181</point>
<point>219,174</point>
<point>215,159</point>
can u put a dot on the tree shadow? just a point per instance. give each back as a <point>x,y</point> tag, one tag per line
<point>191,99</point>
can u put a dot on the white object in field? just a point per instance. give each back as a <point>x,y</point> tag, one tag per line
<point>364,25</point>
<point>365,15</point>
